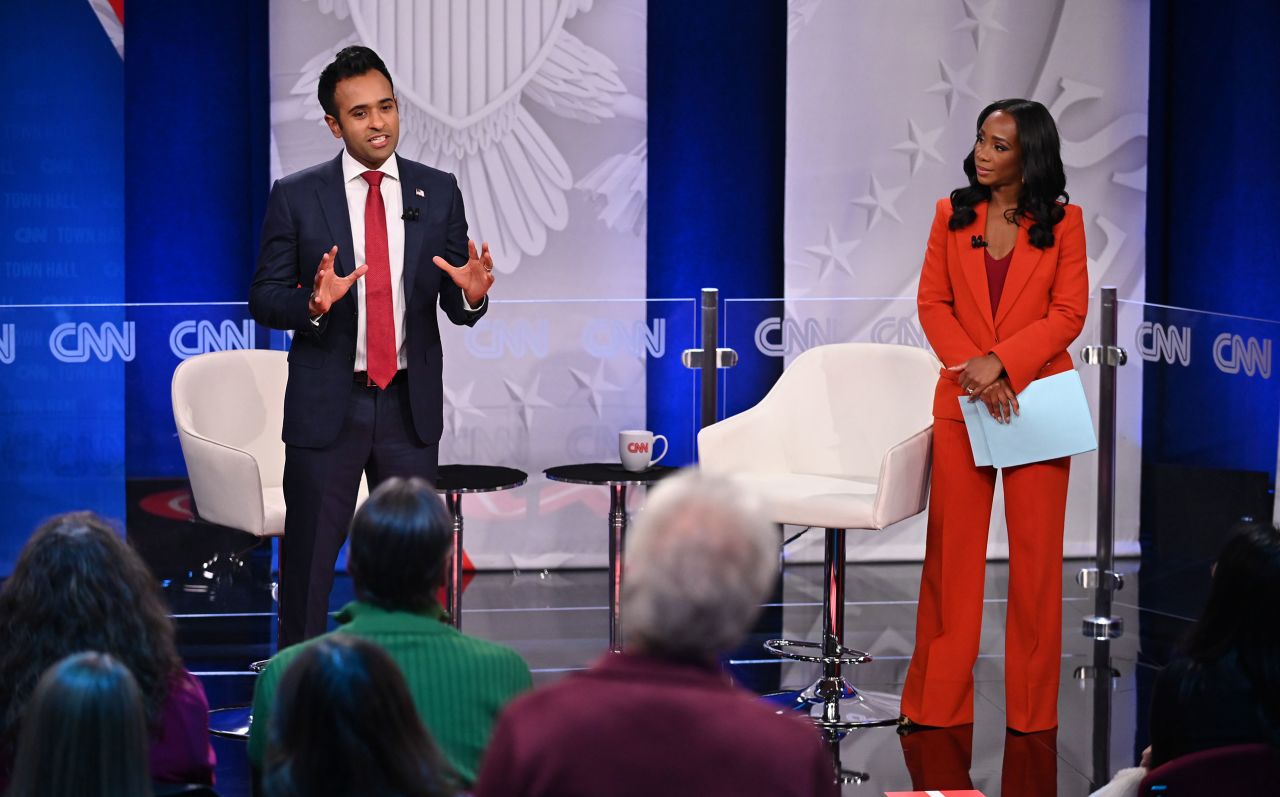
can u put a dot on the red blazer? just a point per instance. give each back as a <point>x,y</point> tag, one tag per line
<point>1042,309</point>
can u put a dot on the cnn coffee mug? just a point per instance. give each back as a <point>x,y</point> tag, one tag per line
<point>635,449</point>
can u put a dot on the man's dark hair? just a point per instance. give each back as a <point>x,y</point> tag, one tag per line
<point>400,542</point>
<point>349,62</point>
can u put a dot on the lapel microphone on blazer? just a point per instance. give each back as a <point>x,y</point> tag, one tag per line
<point>410,214</point>
<point>977,242</point>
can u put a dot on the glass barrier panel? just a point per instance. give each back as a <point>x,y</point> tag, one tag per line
<point>62,425</point>
<point>768,333</point>
<point>88,419</point>
<point>1200,402</point>
<point>537,384</point>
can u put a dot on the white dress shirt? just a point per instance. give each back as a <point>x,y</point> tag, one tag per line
<point>393,202</point>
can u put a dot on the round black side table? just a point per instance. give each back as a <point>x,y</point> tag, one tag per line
<point>454,481</point>
<point>617,479</point>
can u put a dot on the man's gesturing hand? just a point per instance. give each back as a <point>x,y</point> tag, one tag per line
<point>475,277</point>
<point>329,287</point>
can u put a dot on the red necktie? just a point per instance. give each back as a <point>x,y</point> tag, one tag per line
<point>379,312</point>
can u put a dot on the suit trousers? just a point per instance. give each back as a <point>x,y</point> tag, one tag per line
<point>939,687</point>
<point>320,489</point>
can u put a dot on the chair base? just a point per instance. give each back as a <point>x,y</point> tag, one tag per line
<point>833,703</point>
<point>793,650</point>
<point>231,723</point>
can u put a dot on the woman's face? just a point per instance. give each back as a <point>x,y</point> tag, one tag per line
<point>997,155</point>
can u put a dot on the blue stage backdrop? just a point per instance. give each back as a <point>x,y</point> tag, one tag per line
<point>196,148</point>
<point>717,143</point>
<point>1211,241</point>
<point>61,183</point>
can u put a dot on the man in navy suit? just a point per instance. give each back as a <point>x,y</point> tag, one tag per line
<point>356,254</point>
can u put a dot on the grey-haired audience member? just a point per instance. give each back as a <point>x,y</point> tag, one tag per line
<point>661,717</point>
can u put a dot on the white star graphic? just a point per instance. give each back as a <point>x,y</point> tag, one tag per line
<point>458,406</point>
<point>981,20</point>
<point>954,84</point>
<point>879,202</point>
<point>833,254</point>
<point>920,145</point>
<point>526,398</point>
<point>595,386</point>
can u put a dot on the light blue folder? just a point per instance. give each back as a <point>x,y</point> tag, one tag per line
<point>1054,421</point>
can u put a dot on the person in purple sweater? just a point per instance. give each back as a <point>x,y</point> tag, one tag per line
<point>661,717</point>
<point>78,586</point>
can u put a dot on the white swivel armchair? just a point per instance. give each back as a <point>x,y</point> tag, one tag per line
<point>842,441</point>
<point>229,409</point>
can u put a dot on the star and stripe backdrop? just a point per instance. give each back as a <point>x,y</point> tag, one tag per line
<point>881,104</point>
<point>147,186</point>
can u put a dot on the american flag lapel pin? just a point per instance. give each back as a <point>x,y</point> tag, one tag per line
<point>419,192</point>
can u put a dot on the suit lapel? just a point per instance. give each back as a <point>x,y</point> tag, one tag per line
<point>974,265</point>
<point>1025,259</point>
<point>414,231</point>
<point>333,203</point>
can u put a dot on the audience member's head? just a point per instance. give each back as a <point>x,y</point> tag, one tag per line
<point>345,724</point>
<point>699,562</point>
<point>1240,614</point>
<point>78,586</point>
<point>84,732</point>
<point>400,543</point>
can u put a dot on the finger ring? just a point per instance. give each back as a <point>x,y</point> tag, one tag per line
<point>969,390</point>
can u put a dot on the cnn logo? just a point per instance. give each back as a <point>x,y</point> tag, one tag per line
<point>637,448</point>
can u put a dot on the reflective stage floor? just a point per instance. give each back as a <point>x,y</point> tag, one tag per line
<point>218,583</point>
<point>559,622</point>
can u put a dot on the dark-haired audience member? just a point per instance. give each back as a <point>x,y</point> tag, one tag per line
<point>345,726</point>
<point>84,733</point>
<point>400,548</point>
<point>661,717</point>
<point>78,586</point>
<point>1224,688</point>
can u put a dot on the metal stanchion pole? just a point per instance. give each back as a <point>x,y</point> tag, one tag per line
<point>1102,627</point>
<point>710,358</point>
<point>1102,577</point>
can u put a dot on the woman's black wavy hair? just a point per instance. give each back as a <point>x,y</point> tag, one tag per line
<point>78,586</point>
<point>1044,181</point>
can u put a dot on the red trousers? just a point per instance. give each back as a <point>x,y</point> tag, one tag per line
<point>939,688</point>
<point>940,760</point>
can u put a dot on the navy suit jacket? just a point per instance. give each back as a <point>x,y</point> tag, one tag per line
<point>307,215</point>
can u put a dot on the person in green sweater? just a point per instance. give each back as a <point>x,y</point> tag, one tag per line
<point>400,549</point>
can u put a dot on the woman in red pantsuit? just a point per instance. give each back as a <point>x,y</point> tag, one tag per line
<point>1003,292</point>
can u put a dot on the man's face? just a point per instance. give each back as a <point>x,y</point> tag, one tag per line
<point>368,120</point>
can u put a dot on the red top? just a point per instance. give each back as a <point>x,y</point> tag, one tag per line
<point>635,726</point>
<point>997,270</point>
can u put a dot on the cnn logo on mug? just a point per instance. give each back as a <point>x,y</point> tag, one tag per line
<point>635,449</point>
